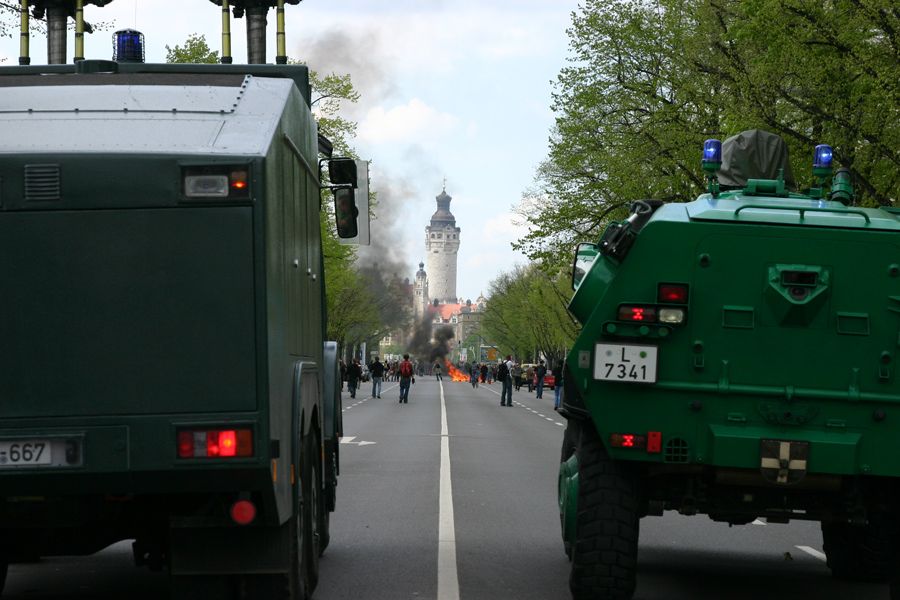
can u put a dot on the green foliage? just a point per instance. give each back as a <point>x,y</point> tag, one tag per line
<point>649,81</point>
<point>527,313</point>
<point>194,51</point>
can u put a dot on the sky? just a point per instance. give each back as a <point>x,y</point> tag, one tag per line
<point>450,89</point>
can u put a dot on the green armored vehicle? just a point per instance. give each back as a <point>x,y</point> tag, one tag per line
<point>738,360</point>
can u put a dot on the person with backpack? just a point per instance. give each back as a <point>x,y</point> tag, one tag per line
<point>436,369</point>
<point>504,376</point>
<point>539,373</point>
<point>405,371</point>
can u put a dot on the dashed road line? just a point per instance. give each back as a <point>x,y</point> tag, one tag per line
<point>813,552</point>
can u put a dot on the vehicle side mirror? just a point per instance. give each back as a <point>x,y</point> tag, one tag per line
<point>346,213</point>
<point>342,171</point>
<point>585,253</point>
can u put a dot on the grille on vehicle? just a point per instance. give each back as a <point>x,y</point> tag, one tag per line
<point>41,183</point>
<point>677,451</point>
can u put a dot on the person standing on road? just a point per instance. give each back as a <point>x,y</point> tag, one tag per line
<point>529,376</point>
<point>504,376</point>
<point>517,375</point>
<point>474,374</point>
<point>376,369</point>
<point>539,373</point>
<point>405,372</point>
<point>557,383</point>
<point>354,372</point>
<point>436,369</point>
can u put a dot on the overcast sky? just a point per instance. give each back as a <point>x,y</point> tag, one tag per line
<point>455,89</point>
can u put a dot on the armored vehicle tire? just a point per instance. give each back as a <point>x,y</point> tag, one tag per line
<point>569,447</point>
<point>857,553</point>
<point>604,554</point>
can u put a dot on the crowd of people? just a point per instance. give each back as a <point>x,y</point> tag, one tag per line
<point>511,375</point>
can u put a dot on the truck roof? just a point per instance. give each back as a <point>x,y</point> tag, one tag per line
<point>157,109</point>
<point>790,211</point>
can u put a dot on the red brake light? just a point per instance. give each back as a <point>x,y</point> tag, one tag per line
<point>641,314</point>
<point>239,179</point>
<point>673,294</point>
<point>203,443</point>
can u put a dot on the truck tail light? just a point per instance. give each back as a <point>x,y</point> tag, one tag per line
<point>215,443</point>
<point>672,294</point>
<point>639,314</point>
<point>651,441</point>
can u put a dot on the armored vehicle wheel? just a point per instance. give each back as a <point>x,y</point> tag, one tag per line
<point>857,553</point>
<point>569,448</point>
<point>604,555</point>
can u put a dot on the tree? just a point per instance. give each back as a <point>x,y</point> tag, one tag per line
<point>527,312</point>
<point>195,51</point>
<point>649,81</point>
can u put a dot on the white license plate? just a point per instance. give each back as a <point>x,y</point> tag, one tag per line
<point>624,362</point>
<point>25,452</point>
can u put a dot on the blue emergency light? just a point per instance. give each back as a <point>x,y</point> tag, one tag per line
<point>823,157</point>
<point>712,151</point>
<point>128,46</point>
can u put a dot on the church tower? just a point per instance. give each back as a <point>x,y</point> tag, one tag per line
<point>442,245</point>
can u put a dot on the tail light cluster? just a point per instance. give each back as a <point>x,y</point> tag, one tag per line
<point>215,443</point>
<point>650,441</point>
<point>666,310</point>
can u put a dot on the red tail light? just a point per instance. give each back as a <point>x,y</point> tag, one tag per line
<point>215,443</point>
<point>673,294</point>
<point>641,314</point>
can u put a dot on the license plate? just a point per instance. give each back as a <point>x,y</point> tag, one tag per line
<point>625,362</point>
<point>25,452</point>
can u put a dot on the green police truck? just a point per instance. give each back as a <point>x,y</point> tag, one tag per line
<point>737,360</point>
<point>164,374</point>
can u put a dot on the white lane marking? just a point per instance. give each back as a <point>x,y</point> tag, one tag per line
<point>758,522</point>
<point>813,552</point>
<point>528,408</point>
<point>448,576</point>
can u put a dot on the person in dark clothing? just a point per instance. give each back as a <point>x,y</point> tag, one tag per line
<point>557,383</point>
<point>354,372</point>
<point>377,371</point>
<point>539,373</point>
<point>484,371</point>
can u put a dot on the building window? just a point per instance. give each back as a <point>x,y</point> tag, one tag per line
<point>439,236</point>
<point>432,236</point>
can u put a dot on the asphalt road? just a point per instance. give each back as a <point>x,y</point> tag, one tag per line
<point>396,533</point>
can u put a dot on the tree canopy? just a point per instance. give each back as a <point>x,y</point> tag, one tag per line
<point>527,316</point>
<point>650,81</point>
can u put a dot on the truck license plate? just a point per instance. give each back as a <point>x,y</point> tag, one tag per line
<point>624,362</point>
<point>25,452</point>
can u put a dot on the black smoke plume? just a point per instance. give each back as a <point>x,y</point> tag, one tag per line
<point>424,344</point>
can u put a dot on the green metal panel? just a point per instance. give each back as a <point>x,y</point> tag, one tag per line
<point>756,357</point>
